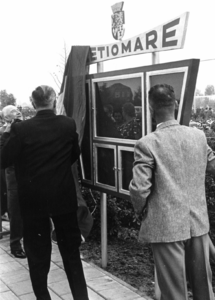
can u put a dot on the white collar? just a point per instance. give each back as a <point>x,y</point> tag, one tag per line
<point>159,124</point>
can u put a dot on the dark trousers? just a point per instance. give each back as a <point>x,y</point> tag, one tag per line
<point>181,261</point>
<point>37,244</point>
<point>3,192</point>
<point>16,224</point>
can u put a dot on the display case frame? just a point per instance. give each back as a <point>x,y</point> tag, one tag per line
<point>94,108</point>
<point>188,70</point>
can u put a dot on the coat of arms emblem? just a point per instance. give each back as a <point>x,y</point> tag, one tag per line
<point>118,19</point>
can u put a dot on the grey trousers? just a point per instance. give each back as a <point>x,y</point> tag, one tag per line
<point>181,261</point>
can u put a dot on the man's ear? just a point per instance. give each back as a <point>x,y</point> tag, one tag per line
<point>34,106</point>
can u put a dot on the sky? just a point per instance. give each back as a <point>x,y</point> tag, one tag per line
<point>34,34</point>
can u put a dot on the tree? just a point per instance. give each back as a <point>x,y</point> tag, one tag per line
<point>209,90</point>
<point>198,92</point>
<point>6,99</point>
<point>61,67</point>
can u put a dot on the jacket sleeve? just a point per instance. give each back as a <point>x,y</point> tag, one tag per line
<point>140,185</point>
<point>10,147</point>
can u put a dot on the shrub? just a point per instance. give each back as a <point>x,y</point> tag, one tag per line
<point>120,215</point>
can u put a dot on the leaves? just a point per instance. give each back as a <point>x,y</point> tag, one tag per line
<point>6,99</point>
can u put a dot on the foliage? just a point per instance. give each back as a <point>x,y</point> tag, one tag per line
<point>210,192</point>
<point>120,215</point>
<point>6,99</point>
<point>198,92</point>
<point>209,90</point>
<point>27,112</point>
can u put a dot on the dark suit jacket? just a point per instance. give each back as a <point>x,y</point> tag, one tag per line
<point>43,149</point>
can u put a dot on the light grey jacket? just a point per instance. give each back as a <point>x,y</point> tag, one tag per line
<point>169,175</point>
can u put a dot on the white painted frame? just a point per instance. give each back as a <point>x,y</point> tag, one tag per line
<point>112,78</point>
<point>162,72</point>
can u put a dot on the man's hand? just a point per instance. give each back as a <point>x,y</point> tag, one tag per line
<point>211,167</point>
<point>8,127</point>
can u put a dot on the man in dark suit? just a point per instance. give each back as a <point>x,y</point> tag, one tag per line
<point>43,149</point>
<point>169,185</point>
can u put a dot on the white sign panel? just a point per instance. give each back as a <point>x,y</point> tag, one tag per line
<point>169,36</point>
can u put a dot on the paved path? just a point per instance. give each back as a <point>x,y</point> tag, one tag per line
<point>15,282</point>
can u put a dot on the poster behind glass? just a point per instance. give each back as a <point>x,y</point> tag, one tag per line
<point>105,166</point>
<point>173,79</point>
<point>118,108</point>
<point>127,159</point>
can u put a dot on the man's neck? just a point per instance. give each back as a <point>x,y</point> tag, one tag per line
<point>162,119</point>
<point>44,108</point>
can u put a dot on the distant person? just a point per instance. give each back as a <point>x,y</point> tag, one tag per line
<point>117,115</point>
<point>43,149</point>
<point>11,114</point>
<point>213,126</point>
<point>108,109</point>
<point>3,187</point>
<point>131,128</point>
<point>168,195</point>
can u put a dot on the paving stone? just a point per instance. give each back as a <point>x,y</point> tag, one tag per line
<point>93,295</point>
<point>21,288</point>
<point>92,273</point>
<point>30,296</point>
<point>60,287</point>
<point>10,267</point>
<point>2,251</point>
<point>56,257</point>
<point>22,262</point>
<point>8,296</point>
<point>4,258</point>
<point>119,294</point>
<point>15,277</point>
<point>68,297</point>
<point>86,265</point>
<point>56,275</point>
<point>59,264</point>
<point>55,248</point>
<point>103,283</point>
<point>3,287</point>
<point>54,296</point>
<point>53,266</point>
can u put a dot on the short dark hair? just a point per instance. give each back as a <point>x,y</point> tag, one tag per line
<point>43,95</point>
<point>129,109</point>
<point>162,96</point>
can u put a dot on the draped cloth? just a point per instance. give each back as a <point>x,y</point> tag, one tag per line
<point>72,103</point>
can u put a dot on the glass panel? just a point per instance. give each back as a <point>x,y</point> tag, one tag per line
<point>86,145</point>
<point>119,108</point>
<point>127,159</point>
<point>105,165</point>
<point>173,79</point>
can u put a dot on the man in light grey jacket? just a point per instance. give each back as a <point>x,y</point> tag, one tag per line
<point>168,192</point>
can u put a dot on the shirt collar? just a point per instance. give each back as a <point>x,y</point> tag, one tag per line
<point>167,124</point>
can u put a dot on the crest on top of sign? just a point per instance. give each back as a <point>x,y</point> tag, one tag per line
<point>118,19</point>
